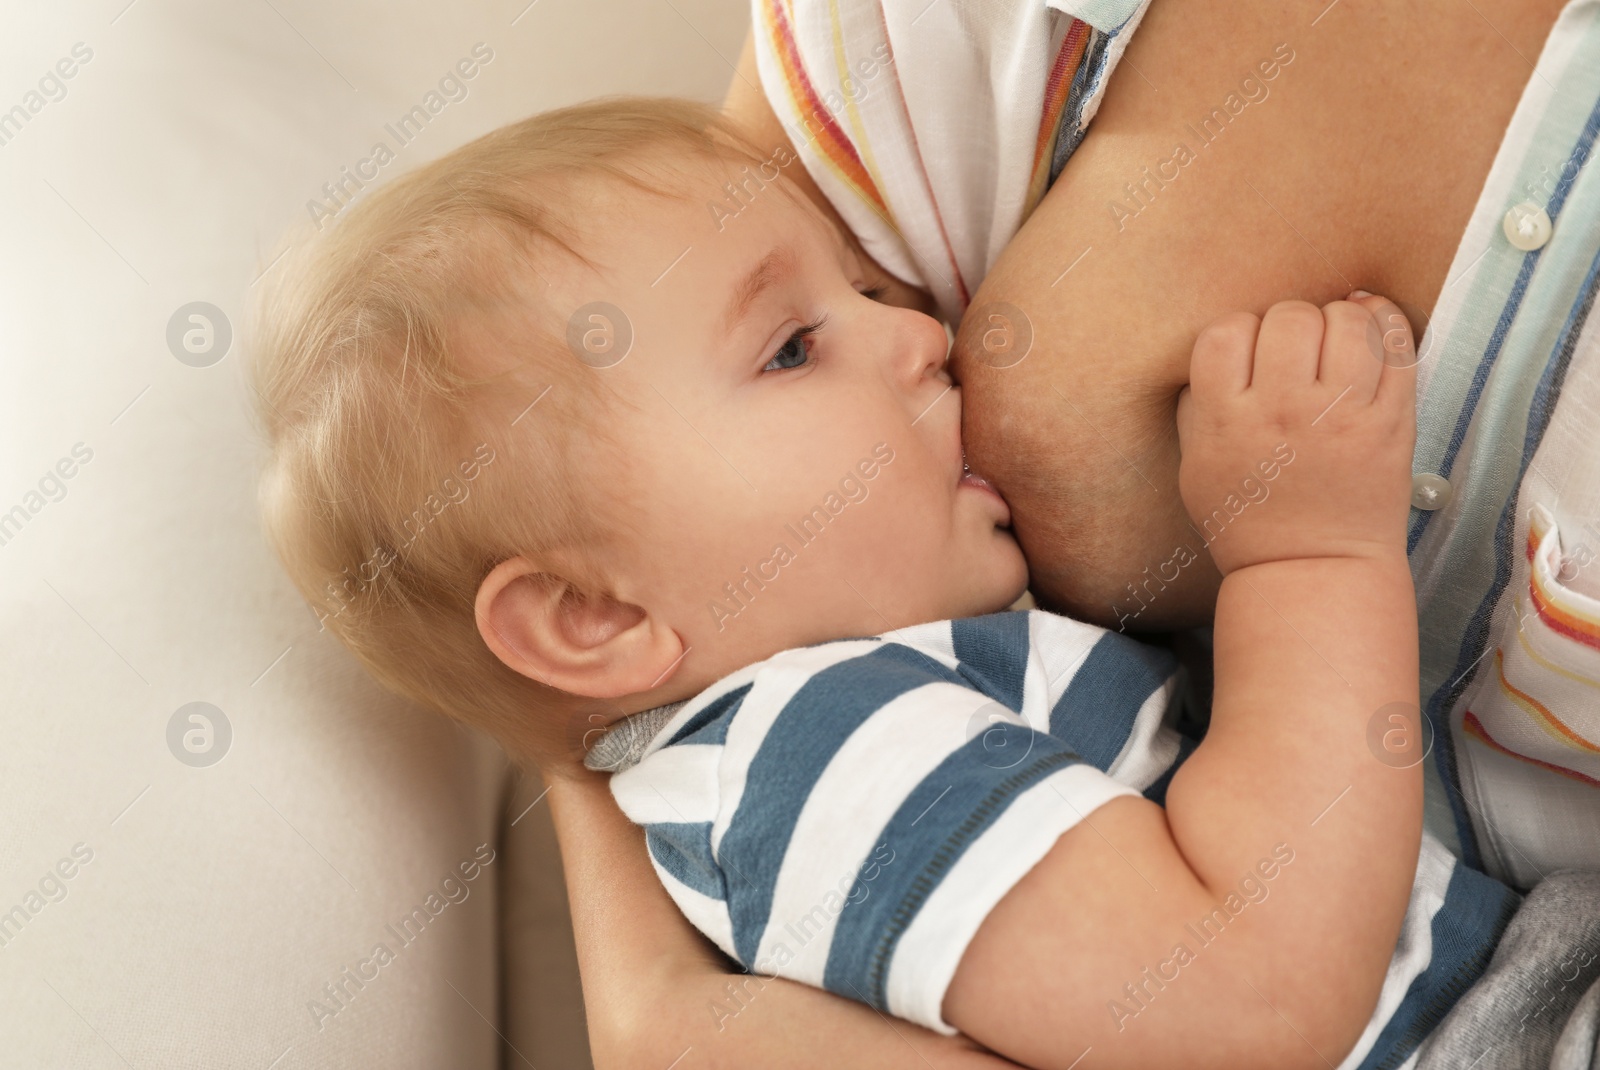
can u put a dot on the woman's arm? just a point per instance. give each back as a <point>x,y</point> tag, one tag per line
<point>657,991</point>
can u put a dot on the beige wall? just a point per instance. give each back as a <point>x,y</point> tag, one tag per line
<point>219,900</point>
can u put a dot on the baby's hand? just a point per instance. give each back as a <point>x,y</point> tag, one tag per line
<point>1296,432</point>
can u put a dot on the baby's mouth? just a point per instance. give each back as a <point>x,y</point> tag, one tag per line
<point>969,476</point>
<point>966,470</point>
<point>973,479</point>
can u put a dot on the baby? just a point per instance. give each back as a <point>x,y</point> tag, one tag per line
<point>553,446</point>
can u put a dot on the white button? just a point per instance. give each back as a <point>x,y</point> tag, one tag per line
<point>1429,492</point>
<point>1527,227</point>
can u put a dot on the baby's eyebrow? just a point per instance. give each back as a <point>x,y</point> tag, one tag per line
<point>776,266</point>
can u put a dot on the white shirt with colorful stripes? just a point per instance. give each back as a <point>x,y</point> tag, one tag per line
<point>933,127</point>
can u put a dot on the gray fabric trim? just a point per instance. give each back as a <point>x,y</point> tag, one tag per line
<point>1579,1046</point>
<point>625,741</point>
<point>1537,1006</point>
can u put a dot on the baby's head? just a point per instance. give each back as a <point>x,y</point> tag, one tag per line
<point>593,411</point>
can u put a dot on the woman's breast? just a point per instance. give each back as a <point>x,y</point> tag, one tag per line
<point>1242,156</point>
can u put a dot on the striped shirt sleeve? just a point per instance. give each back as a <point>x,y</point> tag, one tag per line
<point>846,815</point>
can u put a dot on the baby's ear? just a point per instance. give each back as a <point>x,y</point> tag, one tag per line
<point>545,628</point>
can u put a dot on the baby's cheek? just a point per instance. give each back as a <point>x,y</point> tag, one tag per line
<point>915,536</point>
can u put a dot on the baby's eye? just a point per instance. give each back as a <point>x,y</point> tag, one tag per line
<point>793,353</point>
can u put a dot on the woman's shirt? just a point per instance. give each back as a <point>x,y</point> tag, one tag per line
<point>1505,535</point>
<point>935,128</point>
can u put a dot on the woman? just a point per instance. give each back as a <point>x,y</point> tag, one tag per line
<point>1363,169</point>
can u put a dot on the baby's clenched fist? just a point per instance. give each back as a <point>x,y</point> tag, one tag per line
<point>1296,432</point>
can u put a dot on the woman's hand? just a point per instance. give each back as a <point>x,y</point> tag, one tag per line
<point>657,991</point>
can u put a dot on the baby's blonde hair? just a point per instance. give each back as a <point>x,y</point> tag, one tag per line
<point>398,474</point>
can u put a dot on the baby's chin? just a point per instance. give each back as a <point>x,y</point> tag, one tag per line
<point>1022,598</point>
<point>999,595</point>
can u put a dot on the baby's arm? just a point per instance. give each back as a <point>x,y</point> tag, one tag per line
<point>1315,632</point>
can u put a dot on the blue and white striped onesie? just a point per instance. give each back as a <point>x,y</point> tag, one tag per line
<point>846,814</point>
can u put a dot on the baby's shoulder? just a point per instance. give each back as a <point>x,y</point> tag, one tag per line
<point>1024,660</point>
<point>1010,657</point>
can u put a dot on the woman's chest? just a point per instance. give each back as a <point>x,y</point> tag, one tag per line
<point>1297,153</point>
<point>1243,156</point>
